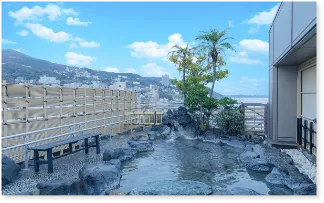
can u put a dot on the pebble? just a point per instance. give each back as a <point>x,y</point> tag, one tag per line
<point>302,163</point>
<point>66,167</point>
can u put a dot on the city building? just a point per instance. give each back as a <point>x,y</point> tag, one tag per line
<point>48,80</point>
<point>19,80</point>
<point>165,80</point>
<point>292,70</point>
<point>119,85</point>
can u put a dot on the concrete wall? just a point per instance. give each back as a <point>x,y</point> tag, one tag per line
<point>292,22</point>
<point>283,103</point>
<point>282,30</point>
<point>301,24</point>
<point>273,103</point>
<point>287,103</point>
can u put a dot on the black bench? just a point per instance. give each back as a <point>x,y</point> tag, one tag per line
<point>48,148</point>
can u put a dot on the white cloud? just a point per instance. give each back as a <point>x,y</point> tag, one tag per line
<point>254,45</point>
<point>70,12</point>
<point>47,33</point>
<point>52,11</point>
<point>265,17</point>
<point>78,39</point>
<point>76,21</point>
<point>152,49</point>
<point>6,41</point>
<point>242,57</point>
<point>230,23</point>
<point>110,69</point>
<point>86,44</point>
<point>91,44</point>
<point>130,70</point>
<point>23,33</point>
<point>152,69</point>
<point>78,59</point>
<point>72,45</point>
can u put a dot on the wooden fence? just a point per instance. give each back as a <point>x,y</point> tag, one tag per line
<point>27,108</point>
<point>255,118</point>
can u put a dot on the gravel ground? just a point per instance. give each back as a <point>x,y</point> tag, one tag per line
<point>66,167</point>
<point>302,163</point>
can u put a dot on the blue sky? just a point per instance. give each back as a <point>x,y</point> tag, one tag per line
<point>136,36</point>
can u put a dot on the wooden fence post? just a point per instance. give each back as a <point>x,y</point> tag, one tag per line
<point>85,108</point>
<point>26,138</point>
<point>5,111</point>
<point>104,111</point>
<point>119,113</point>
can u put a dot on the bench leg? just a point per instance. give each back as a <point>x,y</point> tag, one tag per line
<point>50,160</point>
<point>86,145</point>
<point>97,144</point>
<point>70,147</point>
<point>36,159</point>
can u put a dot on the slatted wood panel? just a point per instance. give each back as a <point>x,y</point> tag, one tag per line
<point>29,108</point>
<point>254,117</point>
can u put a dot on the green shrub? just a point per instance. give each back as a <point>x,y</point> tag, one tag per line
<point>230,121</point>
<point>202,127</point>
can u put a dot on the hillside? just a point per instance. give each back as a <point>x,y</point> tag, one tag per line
<point>16,64</point>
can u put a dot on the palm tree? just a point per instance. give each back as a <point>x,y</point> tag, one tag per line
<point>182,56</point>
<point>214,43</point>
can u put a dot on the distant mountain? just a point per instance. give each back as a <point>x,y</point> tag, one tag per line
<point>16,64</point>
<point>215,94</point>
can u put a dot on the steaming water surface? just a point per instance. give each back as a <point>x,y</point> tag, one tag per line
<point>181,159</point>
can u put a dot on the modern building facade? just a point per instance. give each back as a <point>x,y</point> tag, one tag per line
<point>292,70</point>
<point>165,80</point>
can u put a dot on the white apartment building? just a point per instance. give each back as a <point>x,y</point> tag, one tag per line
<point>48,80</point>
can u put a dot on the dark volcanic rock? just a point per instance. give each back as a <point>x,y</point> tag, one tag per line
<point>123,154</point>
<point>172,187</point>
<point>99,178</point>
<point>161,132</point>
<point>286,158</point>
<point>112,154</point>
<point>9,170</point>
<point>305,189</point>
<point>179,117</point>
<point>236,191</point>
<point>281,178</point>
<point>115,162</point>
<point>279,190</point>
<point>57,187</point>
<point>247,156</point>
<point>151,135</point>
<point>140,137</point>
<point>259,165</point>
<point>141,146</point>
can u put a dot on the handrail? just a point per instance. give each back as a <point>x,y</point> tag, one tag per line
<point>61,135</point>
